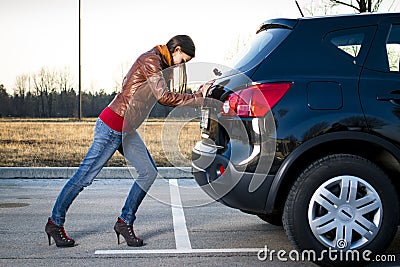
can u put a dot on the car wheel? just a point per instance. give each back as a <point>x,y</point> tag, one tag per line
<point>274,219</point>
<point>342,203</point>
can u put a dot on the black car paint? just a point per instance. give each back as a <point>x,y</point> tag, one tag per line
<point>359,113</point>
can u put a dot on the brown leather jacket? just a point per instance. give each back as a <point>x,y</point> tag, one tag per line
<point>143,86</point>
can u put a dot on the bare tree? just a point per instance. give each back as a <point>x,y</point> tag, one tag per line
<point>360,6</point>
<point>64,80</point>
<point>325,7</point>
<point>20,90</point>
<point>21,85</point>
<point>66,98</point>
<point>45,85</point>
<point>318,7</point>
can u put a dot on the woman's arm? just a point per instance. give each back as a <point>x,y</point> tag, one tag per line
<point>151,67</point>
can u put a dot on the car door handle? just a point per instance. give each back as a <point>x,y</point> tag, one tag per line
<point>393,96</point>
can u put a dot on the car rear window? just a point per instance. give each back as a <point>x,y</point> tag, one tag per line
<point>260,47</point>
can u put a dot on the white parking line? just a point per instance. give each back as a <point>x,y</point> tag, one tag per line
<point>182,240</point>
<point>177,251</point>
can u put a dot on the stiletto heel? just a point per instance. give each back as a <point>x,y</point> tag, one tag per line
<point>126,230</point>
<point>58,234</point>
<point>117,237</point>
<point>49,237</point>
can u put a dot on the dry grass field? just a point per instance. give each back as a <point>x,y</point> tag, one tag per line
<point>64,143</point>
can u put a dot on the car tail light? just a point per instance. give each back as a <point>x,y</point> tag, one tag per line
<point>254,101</point>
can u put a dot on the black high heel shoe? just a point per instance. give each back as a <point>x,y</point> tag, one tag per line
<point>58,234</point>
<point>122,228</point>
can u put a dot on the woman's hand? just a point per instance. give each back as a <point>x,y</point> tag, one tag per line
<point>204,88</point>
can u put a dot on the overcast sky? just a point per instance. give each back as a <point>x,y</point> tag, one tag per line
<point>37,33</point>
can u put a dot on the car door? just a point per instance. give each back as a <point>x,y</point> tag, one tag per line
<point>379,85</point>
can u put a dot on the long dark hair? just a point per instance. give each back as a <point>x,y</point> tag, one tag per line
<point>185,42</point>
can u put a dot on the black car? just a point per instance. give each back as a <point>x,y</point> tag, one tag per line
<point>305,131</point>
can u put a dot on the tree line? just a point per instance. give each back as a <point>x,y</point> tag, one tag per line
<point>47,94</point>
<point>50,94</point>
<point>60,105</point>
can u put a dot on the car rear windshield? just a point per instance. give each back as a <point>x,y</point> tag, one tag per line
<point>260,47</point>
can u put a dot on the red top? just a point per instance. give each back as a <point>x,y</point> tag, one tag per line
<point>112,119</point>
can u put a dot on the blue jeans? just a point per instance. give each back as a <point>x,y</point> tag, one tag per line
<point>106,141</point>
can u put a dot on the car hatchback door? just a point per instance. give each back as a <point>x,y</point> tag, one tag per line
<point>380,81</point>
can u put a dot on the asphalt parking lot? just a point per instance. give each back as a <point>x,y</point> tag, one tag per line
<point>194,230</point>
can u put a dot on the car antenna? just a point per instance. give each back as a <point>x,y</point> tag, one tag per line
<point>298,6</point>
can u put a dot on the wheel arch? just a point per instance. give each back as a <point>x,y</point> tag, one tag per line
<point>380,151</point>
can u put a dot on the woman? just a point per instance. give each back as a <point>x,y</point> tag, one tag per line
<point>142,87</point>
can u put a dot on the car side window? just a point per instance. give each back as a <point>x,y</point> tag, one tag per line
<point>349,43</point>
<point>393,49</point>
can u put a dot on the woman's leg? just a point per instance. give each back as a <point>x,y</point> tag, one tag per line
<point>137,154</point>
<point>106,141</point>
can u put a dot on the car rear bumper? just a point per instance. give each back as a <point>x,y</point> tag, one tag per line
<point>237,189</point>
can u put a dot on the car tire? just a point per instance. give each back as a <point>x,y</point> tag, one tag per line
<point>274,219</point>
<point>333,203</point>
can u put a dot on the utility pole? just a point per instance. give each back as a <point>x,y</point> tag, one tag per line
<point>80,76</point>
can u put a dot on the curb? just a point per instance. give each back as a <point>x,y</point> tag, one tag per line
<point>105,173</point>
